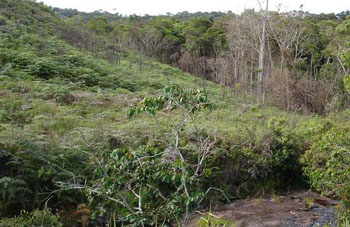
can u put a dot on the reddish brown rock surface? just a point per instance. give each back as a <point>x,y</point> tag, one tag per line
<point>298,209</point>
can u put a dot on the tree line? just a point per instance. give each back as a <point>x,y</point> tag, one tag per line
<point>298,58</point>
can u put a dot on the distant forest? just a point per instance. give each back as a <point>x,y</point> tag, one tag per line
<point>298,58</point>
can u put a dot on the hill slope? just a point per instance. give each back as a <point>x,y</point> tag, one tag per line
<point>66,140</point>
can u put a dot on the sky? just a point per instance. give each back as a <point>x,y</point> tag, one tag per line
<point>156,7</point>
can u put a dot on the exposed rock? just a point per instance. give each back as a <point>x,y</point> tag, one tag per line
<point>246,107</point>
<point>26,107</point>
<point>299,209</point>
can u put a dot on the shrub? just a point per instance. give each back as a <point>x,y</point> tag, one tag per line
<point>251,162</point>
<point>29,169</point>
<point>285,148</point>
<point>44,68</point>
<point>328,164</point>
<point>151,185</point>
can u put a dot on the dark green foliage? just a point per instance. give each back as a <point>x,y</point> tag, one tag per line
<point>343,15</point>
<point>286,148</point>
<point>194,31</point>
<point>99,25</point>
<point>327,163</point>
<point>10,188</point>
<point>28,175</point>
<point>249,163</point>
<point>116,17</point>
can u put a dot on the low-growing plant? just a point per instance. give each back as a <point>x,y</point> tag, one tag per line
<point>15,112</point>
<point>211,220</point>
<point>35,218</point>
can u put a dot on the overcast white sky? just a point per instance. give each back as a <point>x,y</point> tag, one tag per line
<point>155,7</point>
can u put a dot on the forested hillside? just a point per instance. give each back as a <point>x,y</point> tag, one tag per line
<point>108,120</point>
<point>291,56</point>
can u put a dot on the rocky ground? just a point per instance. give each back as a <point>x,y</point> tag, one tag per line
<point>298,209</point>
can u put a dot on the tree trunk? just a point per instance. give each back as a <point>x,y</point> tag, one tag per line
<point>262,52</point>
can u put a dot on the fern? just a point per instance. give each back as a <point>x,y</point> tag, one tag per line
<point>10,188</point>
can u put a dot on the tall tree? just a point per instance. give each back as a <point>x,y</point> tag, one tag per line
<point>265,15</point>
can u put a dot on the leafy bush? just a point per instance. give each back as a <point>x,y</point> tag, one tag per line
<point>150,185</point>
<point>44,68</point>
<point>328,163</point>
<point>174,97</point>
<point>142,187</point>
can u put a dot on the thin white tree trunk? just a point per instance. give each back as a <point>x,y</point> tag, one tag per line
<point>262,50</point>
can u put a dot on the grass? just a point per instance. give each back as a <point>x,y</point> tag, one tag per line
<point>60,108</point>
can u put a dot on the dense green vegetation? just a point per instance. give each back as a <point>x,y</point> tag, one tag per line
<point>92,131</point>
